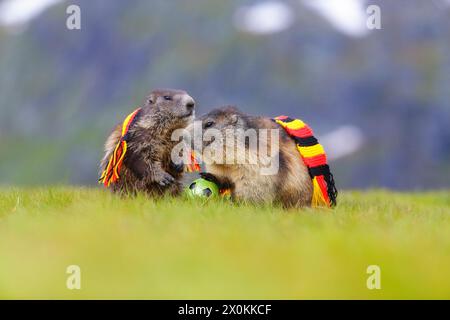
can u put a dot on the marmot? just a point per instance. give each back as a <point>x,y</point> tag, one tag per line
<point>290,185</point>
<point>147,165</point>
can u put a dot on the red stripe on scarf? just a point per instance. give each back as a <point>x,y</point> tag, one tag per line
<point>300,133</point>
<point>315,161</point>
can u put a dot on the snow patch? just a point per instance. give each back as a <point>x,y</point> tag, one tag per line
<point>17,13</point>
<point>342,142</point>
<point>347,16</point>
<point>264,18</point>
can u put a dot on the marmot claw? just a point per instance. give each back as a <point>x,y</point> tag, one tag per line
<point>165,180</point>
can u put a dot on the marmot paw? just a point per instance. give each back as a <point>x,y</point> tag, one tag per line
<point>165,179</point>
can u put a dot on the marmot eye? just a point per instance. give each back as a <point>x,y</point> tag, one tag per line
<point>209,124</point>
<point>168,98</point>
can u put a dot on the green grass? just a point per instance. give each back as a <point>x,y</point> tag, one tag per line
<point>184,249</point>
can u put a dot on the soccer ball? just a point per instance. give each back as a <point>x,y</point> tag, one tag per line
<point>202,188</point>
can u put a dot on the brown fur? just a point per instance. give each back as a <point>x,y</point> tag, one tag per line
<point>290,187</point>
<point>147,165</point>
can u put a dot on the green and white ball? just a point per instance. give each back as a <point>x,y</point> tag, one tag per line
<point>202,188</point>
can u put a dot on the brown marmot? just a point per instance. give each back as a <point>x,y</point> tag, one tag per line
<point>290,185</point>
<point>147,165</point>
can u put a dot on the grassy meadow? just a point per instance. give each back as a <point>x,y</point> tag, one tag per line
<point>187,249</point>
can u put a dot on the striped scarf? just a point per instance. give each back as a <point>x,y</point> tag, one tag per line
<point>112,170</point>
<point>314,157</point>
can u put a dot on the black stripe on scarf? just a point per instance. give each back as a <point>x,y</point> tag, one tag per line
<point>323,170</point>
<point>305,142</point>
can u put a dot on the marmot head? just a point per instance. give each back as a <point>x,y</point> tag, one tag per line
<point>168,108</point>
<point>220,130</point>
<point>228,117</point>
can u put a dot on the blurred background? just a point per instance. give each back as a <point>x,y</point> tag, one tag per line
<point>379,100</point>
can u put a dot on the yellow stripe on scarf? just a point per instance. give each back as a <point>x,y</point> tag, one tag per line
<point>318,200</point>
<point>311,151</point>
<point>126,123</point>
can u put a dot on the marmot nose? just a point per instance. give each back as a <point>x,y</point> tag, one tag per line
<point>190,104</point>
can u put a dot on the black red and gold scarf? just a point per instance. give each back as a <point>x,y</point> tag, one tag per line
<point>315,159</point>
<point>112,170</point>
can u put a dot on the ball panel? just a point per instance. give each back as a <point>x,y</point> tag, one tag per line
<point>202,188</point>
